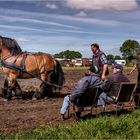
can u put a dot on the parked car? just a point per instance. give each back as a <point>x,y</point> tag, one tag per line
<point>86,62</point>
<point>121,62</point>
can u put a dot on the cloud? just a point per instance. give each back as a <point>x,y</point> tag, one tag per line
<point>22,16</point>
<point>81,14</point>
<point>22,40</point>
<point>36,21</point>
<point>103,4</point>
<point>90,20</point>
<point>24,28</point>
<point>51,6</point>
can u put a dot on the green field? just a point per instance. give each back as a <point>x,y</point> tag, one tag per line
<point>84,68</point>
<point>126,126</point>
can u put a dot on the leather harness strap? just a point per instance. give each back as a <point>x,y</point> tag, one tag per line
<point>22,65</point>
<point>10,65</point>
<point>20,68</point>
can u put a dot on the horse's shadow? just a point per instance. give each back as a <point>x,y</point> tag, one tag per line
<point>28,95</point>
<point>59,95</point>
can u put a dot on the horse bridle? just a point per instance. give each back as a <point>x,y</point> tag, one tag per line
<point>6,57</point>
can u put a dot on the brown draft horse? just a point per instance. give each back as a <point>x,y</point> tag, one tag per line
<point>24,65</point>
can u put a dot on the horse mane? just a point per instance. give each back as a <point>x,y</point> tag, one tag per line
<point>11,45</point>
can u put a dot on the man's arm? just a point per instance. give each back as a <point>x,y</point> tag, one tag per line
<point>135,66</point>
<point>108,85</point>
<point>105,66</point>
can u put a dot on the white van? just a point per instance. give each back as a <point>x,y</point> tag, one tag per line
<point>121,62</point>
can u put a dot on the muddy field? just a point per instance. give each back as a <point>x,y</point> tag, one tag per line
<point>26,114</point>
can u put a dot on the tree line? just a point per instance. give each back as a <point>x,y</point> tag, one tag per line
<point>129,50</point>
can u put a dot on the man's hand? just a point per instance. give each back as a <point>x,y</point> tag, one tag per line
<point>103,77</point>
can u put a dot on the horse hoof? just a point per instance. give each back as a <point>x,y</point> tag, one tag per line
<point>34,98</point>
<point>5,100</point>
<point>46,98</point>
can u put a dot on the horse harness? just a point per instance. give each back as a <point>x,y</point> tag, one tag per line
<point>10,65</point>
<point>21,68</point>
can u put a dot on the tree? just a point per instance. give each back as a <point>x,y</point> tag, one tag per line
<point>110,57</point>
<point>69,54</point>
<point>117,57</point>
<point>130,48</point>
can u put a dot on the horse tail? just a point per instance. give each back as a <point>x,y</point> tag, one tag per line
<point>58,75</point>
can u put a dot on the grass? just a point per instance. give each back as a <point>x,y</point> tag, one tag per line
<point>84,68</point>
<point>121,127</point>
<point>75,68</point>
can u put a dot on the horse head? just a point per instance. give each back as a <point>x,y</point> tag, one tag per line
<point>10,45</point>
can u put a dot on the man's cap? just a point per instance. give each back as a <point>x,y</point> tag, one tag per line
<point>93,69</point>
<point>118,66</point>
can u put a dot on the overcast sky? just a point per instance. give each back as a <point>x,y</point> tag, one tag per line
<point>56,25</point>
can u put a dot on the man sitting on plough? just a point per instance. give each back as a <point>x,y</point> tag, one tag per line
<point>90,80</point>
<point>112,85</point>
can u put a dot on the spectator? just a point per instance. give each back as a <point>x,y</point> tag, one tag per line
<point>99,59</point>
<point>90,80</point>
<point>112,85</point>
<point>137,66</point>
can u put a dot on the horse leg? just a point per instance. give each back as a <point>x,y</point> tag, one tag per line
<point>42,89</point>
<point>49,88</point>
<point>46,89</point>
<point>4,90</point>
<point>41,94</point>
<point>17,90</point>
<point>11,85</point>
<point>49,91</point>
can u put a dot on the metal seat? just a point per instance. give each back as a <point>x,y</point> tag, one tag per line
<point>87,100</point>
<point>125,96</point>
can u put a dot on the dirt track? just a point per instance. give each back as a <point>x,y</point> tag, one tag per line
<point>27,114</point>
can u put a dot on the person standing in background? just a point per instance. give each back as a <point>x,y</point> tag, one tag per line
<point>99,60</point>
<point>137,66</point>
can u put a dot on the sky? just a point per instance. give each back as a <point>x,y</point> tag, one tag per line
<point>53,26</point>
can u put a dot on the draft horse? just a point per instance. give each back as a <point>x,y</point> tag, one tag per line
<point>24,65</point>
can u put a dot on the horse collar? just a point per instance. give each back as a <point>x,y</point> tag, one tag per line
<point>6,57</point>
